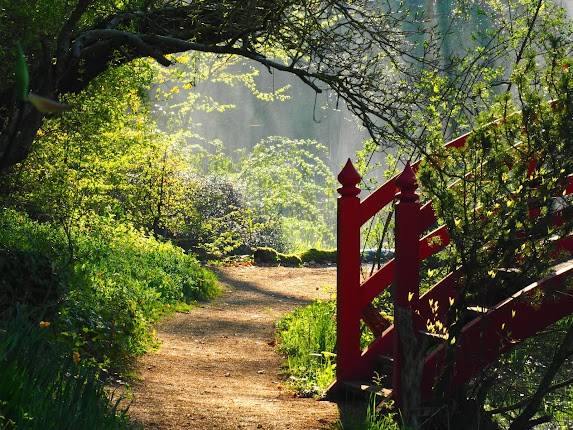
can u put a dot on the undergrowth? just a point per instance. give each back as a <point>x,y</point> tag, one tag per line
<point>91,297</point>
<point>374,418</point>
<point>111,282</point>
<point>306,338</point>
<point>378,421</point>
<point>42,387</point>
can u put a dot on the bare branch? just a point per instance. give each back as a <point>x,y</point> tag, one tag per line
<point>67,30</point>
<point>562,353</point>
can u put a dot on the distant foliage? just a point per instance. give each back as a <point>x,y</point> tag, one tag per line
<point>281,195</point>
<point>109,157</point>
<point>218,220</point>
<point>289,179</point>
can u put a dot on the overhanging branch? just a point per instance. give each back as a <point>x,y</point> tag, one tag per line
<point>157,47</point>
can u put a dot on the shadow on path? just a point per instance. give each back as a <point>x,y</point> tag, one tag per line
<point>217,367</point>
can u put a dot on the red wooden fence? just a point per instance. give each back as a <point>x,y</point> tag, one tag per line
<point>482,340</point>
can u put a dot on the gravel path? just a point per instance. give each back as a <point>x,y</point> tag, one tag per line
<point>217,367</point>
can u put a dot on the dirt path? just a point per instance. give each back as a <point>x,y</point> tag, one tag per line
<point>217,367</point>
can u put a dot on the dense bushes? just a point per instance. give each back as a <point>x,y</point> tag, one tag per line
<point>37,285</point>
<point>290,180</point>
<point>219,222</point>
<point>111,281</point>
<point>284,185</point>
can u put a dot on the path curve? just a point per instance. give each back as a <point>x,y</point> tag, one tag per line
<point>217,367</point>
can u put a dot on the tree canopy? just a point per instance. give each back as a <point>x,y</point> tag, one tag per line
<point>374,55</point>
<point>68,44</point>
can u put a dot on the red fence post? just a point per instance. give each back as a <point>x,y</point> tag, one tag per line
<point>348,275</point>
<point>406,288</point>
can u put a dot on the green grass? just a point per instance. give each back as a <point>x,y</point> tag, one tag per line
<point>41,387</point>
<point>109,294</point>
<point>370,414</point>
<point>367,417</point>
<point>306,337</point>
<point>378,420</point>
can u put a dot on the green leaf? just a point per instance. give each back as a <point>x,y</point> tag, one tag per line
<point>22,75</point>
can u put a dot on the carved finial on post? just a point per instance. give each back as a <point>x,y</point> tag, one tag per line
<point>406,290</point>
<point>407,184</point>
<point>348,309</point>
<point>349,178</point>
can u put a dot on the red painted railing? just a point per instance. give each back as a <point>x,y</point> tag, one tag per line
<point>482,340</point>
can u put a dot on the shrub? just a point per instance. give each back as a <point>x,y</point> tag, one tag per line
<point>43,388</point>
<point>290,260</point>
<point>266,256</point>
<point>218,221</point>
<point>290,180</point>
<point>273,257</point>
<point>307,338</point>
<point>320,256</point>
<point>116,285</point>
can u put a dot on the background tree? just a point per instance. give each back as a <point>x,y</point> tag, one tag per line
<point>69,44</point>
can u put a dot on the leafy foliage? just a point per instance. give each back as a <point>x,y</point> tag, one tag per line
<point>289,179</point>
<point>116,284</point>
<point>109,157</point>
<point>307,338</point>
<point>498,196</point>
<point>219,221</point>
<point>520,371</point>
<point>42,387</point>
